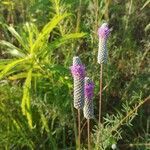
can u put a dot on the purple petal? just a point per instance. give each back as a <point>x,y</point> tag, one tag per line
<point>103,31</point>
<point>78,71</point>
<point>89,90</point>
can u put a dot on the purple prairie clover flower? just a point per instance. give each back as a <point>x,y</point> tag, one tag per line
<point>103,33</point>
<point>89,90</point>
<point>78,73</point>
<point>88,109</point>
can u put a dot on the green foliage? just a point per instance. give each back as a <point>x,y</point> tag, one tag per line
<point>110,132</point>
<point>39,39</point>
<point>10,66</point>
<point>37,42</point>
<point>26,103</point>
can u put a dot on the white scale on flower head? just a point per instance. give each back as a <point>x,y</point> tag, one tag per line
<point>104,25</point>
<point>76,60</point>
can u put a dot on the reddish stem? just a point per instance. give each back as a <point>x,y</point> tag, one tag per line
<point>100,95</point>
<point>88,130</point>
<point>79,127</point>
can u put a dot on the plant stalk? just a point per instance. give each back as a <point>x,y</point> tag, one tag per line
<point>100,93</point>
<point>79,16</point>
<point>88,130</point>
<point>79,128</point>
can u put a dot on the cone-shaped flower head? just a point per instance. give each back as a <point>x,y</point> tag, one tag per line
<point>103,33</point>
<point>88,109</point>
<point>78,73</point>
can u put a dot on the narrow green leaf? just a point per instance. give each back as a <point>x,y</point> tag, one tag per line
<point>145,4</point>
<point>26,102</point>
<point>47,29</point>
<point>12,49</point>
<point>9,67</point>
<point>9,45</point>
<point>32,33</point>
<point>44,122</point>
<point>45,125</point>
<point>4,62</point>
<point>18,37</point>
<point>65,39</point>
<point>24,74</point>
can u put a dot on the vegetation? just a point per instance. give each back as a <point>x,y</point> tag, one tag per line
<point>38,40</point>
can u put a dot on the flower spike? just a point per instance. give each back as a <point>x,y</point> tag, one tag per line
<point>78,73</point>
<point>103,33</point>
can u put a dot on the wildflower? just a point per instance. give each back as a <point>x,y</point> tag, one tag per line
<point>88,110</point>
<point>78,73</point>
<point>103,33</point>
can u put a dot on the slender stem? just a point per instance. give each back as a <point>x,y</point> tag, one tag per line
<point>96,14</point>
<point>100,94</point>
<point>79,127</point>
<point>88,130</point>
<point>79,16</point>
